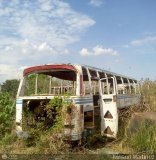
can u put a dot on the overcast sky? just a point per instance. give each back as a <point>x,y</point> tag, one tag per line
<point>116,35</point>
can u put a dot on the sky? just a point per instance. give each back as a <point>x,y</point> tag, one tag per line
<point>115,35</point>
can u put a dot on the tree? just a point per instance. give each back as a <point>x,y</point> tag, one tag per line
<point>10,86</point>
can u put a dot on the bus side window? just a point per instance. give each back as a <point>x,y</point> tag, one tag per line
<point>86,88</point>
<point>132,89</point>
<point>95,87</point>
<point>111,86</point>
<point>120,85</point>
<point>104,87</point>
<point>86,83</point>
<point>111,90</point>
<point>107,86</point>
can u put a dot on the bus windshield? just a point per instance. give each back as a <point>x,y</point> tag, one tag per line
<point>53,82</point>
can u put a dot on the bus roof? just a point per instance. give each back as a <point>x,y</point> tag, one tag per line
<point>48,68</point>
<point>68,67</point>
<point>109,72</point>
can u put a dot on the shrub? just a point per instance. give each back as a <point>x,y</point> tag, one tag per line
<point>7,112</point>
<point>46,136</point>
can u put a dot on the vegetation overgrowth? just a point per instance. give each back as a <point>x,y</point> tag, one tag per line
<point>144,140</point>
<point>50,141</point>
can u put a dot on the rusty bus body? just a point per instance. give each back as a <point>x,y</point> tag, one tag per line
<point>97,95</point>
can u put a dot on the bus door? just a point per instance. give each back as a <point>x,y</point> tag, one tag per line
<point>108,107</point>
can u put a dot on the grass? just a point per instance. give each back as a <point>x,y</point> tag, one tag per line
<point>44,142</point>
<point>144,140</point>
<point>141,141</point>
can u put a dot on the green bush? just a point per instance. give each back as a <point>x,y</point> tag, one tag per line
<point>8,139</point>
<point>7,114</point>
<point>46,136</point>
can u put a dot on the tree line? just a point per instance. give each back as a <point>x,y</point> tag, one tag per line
<point>10,87</point>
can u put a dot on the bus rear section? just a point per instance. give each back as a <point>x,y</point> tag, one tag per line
<point>117,93</point>
<point>109,113</point>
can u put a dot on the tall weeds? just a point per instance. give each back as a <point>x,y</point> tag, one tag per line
<point>144,140</point>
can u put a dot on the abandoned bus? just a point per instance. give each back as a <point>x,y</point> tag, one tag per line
<point>96,95</point>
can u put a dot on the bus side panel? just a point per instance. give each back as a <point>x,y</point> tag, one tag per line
<point>127,100</point>
<point>86,110</point>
